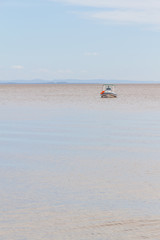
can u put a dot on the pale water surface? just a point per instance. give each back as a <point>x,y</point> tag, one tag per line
<point>74,166</point>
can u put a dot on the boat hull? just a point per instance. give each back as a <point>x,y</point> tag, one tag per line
<point>108,95</point>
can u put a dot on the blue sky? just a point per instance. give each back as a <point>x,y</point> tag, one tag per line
<point>80,39</point>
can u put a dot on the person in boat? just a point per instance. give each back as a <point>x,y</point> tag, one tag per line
<point>108,88</point>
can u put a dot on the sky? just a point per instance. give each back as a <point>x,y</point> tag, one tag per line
<point>80,39</point>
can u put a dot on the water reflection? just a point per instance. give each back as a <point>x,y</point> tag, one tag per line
<point>76,166</point>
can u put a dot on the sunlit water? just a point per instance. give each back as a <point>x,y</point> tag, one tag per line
<point>74,166</point>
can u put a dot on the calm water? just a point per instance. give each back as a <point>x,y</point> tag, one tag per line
<point>74,166</point>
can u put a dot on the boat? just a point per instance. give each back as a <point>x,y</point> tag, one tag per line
<point>108,91</point>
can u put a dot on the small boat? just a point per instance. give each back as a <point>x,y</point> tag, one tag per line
<point>108,91</point>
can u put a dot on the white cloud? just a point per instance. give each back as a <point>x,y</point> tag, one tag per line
<point>18,67</point>
<point>127,16</point>
<point>136,4</point>
<point>121,11</point>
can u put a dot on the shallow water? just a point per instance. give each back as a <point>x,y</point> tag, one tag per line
<point>75,166</point>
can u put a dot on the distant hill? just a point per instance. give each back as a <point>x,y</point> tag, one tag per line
<point>75,81</point>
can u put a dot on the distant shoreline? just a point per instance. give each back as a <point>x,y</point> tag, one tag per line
<point>120,83</point>
<point>77,81</point>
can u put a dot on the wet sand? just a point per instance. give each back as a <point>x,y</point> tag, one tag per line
<point>44,223</point>
<point>75,166</point>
